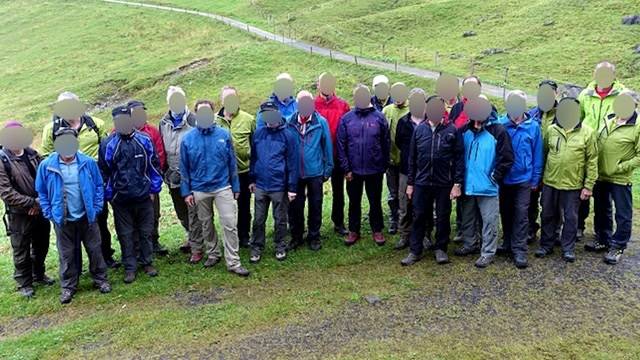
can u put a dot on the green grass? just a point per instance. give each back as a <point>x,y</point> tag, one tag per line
<point>113,53</point>
<point>584,32</point>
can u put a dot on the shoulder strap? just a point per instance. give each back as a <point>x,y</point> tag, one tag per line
<point>6,163</point>
<point>88,120</point>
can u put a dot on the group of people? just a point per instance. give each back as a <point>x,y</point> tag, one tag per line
<point>432,150</point>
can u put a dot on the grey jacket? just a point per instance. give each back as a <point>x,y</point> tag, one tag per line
<point>172,139</point>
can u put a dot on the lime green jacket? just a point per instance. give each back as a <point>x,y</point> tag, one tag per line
<point>241,126</point>
<point>594,108</point>
<point>619,150</point>
<point>88,139</point>
<point>572,158</point>
<point>393,113</point>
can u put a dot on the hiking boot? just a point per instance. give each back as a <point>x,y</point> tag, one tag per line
<point>403,243</point>
<point>66,296</point>
<point>160,250</point>
<point>464,251</point>
<point>27,292</point>
<point>543,252</point>
<point>150,270</point>
<point>294,244</point>
<point>195,258</point>
<point>393,228</point>
<point>458,237</point>
<point>410,259</point>
<point>378,238</point>
<point>569,256</point>
<point>521,261</point>
<point>281,255</point>
<point>104,288</point>
<point>351,239</point>
<point>111,263</point>
<point>315,245</point>
<point>484,261</point>
<point>596,246</point>
<point>255,258</point>
<point>613,256</point>
<point>240,271</point>
<point>44,280</point>
<point>441,257</point>
<point>129,277</point>
<point>340,230</point>
<point>211,261</point>
<point>185,247</point>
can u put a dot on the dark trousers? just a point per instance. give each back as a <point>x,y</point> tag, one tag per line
<point>424,198</point>
<point>180,207</point>
<point>372,184</point>
<point>244,209</point>
<point>280,204</point>
<point>604,193</point>
<point>559,205</point>
<point>310,189</point>
<point>105,234</point>
<point>134,227</point>
<point>534,213</point>
<point>583,213</point>
<point>69,239</point>
<point>337,196</point>
<point>514,211</point>
<point>393,184</point>
<point>155,234</point>
<point>30,244</point>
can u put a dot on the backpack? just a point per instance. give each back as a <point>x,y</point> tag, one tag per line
<point>86,120</point>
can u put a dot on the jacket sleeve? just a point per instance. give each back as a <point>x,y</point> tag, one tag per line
<point>154,169</point>
<point>538,157</point>
<point>413,159</point>
<point>103,162</point>
<point>327,150</point>
<point>46,147</point>
<point>43,193</point>
<point>458,158</point>
<point>98,197</point>
<point>634,162</point>
<point>252,161</point>
<point>10,195</point>
<point>292,163</point>
<point>234,180</point>
<point>159,148</point>
<point>185,174</point>
<point>504,153</point>
<point>591,162</point>
<point>259,121</point>
<point>343,146</point>
<point>386,141</point>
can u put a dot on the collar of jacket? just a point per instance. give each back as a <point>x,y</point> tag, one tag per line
<point>28,150</point>
<point>284,102</point>
<point>168,119</point>
<point>511,123</point>
<point>365,111</point>
<point>631,121</point>
<point>616,88</point>
<point>221,115</point>
<point>313,120</point>
<point>326,101</point>
<point>208,130</point>
<point>54,162</point>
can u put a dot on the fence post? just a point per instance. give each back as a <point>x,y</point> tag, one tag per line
<point>311,50</point>
<point>330,54</point>
<point>504,85</point>
<point>382,49</point>
<point>355,58</point>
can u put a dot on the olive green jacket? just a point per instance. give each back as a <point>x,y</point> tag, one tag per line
<point>571,158</point>
<point>393,113</point>
<point>241,126</point>
<point>618,150</point>
<point>594,108</point>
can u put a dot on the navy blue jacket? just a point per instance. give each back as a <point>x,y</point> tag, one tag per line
<point>314,148</point>
<point>379,105</point>
<point>528,158</point>
<point>436,157</point>
<point>130,167</point>
<point>273,166</point>
<point>207,161</point>
<point>364,142</point>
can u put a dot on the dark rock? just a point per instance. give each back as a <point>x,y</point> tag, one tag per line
<point>636,49</point>
<point>570,90</point>
<point>372,299</point>
<point>493,51</point>
<point>469,33</point>
<point>631,20</point>
<point>549,23</point>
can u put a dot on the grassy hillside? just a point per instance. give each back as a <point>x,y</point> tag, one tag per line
<point>577,34</point>
<point>314,304</point>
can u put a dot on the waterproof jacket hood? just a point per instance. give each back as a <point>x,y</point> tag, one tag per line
<point>619,150</point>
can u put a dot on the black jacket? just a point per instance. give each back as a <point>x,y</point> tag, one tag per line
<point>404,133</point>
<point>436,158</point>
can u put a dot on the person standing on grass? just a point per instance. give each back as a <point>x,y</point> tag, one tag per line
<point>27,229</point>
<point>381,96</point>
<point>488,158</point>
<point>596,102</point>
<point>524,176</point>
<point>274,177</point>
<point>363,152</point>
<point>315,165</point>
<point>174,125</point>
<point>282,96</point>
<point>139,116</point>
<point>570,173</point>
<point>544,114</point>
<point>435,165</point>
<point>393,113</point>
<point>242,126</point>
<point>332,108</point>
<point>71,195</point>
<point>130,167</point>
<point>210,177</point>
<point>91,131</point>
<point>619,156</point>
